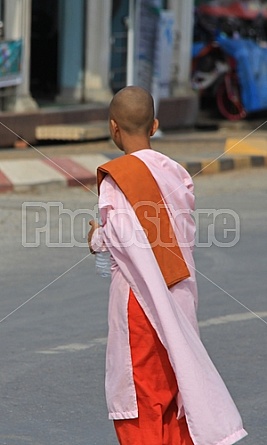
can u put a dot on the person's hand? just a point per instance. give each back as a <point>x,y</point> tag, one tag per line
<point>94,225</point>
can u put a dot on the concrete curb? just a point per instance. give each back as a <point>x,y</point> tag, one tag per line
<point>209,166</point>
<point>80,170</point>
<point>30,174</point>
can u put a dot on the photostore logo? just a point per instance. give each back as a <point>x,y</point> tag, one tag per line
<point>53,225</point>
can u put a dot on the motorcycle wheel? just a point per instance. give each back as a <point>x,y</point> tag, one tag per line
<point>229,101</point>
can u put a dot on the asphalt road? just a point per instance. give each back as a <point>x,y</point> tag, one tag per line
<point>53,310</point>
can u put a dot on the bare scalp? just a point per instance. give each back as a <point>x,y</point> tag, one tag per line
<point>132,108</point>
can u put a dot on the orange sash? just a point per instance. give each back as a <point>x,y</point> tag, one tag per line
<point>135,180</point>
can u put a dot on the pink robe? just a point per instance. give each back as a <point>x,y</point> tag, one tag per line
<point>211,414</point>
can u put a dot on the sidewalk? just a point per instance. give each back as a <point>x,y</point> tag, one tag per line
<point>235,145</point>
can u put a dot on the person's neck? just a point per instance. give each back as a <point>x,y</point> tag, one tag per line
<point>133,144</point>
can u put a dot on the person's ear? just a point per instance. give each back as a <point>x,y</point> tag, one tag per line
<point>113,127</point>
<point>154,127</point>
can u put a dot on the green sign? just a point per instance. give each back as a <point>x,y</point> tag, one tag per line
<point>10,63</point>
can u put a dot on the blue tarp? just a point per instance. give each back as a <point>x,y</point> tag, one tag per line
<point>197,47</point>
<point>251,62</point>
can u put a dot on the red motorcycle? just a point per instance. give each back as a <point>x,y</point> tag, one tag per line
<point>214,71</point>
<point>214,74</point>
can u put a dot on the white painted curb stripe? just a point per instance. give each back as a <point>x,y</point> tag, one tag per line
<point>90,162</point>
<point>30,172</point>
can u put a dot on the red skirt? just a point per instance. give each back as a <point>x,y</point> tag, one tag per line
<point>156,388</point>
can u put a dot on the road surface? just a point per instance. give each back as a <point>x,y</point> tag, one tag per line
<point>53,309</point>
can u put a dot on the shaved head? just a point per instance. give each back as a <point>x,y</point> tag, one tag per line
<point>132,108</point>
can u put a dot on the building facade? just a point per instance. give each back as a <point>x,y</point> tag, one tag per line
<point>75,51</point>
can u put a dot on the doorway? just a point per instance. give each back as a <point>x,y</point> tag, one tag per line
<point>119,45</point>
<point>44,51</point>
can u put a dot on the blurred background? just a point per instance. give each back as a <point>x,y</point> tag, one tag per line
<point>64,59</point>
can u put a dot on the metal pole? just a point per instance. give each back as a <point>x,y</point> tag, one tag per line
<point>85,17</point>
<point>130,45</point>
